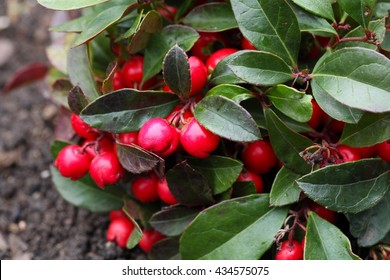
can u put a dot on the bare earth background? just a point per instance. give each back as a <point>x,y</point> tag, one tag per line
<point>35,222</point>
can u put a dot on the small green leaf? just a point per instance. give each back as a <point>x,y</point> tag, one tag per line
<point>284,189</point>
<point>222,73</point>
<point>363,133</point>
<point>227,119</point>
<point>359,10</point>
<point>69,4</point>
<point>176,71</point>
<point>85,194</point>
<point>241,228</point>
<point>128,109</point>
<point>135,235</point>
<point>76,100</point>
<point>166,249</point>
<point>221,172</point>
<point>324,241</point>
<point>260,68</point>
<point>322,8</point>
<point>350,187</point>
<point>211,17</point>
<point>233,92</point>
<point>291,102</point>
<point>356,77</point>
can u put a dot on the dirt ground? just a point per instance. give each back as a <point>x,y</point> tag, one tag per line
<point>35,222</point>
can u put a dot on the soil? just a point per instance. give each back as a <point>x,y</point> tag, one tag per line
<point>35,222</point>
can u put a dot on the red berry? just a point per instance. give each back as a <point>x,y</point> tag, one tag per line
<point>246,45</point>
<point>323,41</point>
<point>94,147</point>
<point>128,138</point>
<point>315,119</point>
<point>132,71</point>
<point>199,74</point>
<point>323,212</point>
<point>164,193</point>
<point>114,214</point>
<point>207,43</point>
<point>247,176</point>
<point>383,150</point>
<point>83,129</point>
<point>72,162</point>
<point>348,154</point>
<point>149,238</point>
<point>259,157</point>
<point>119,231</point>
<point>144,188</point>
<point>166,88</point>
<point>106,169</point>
<point>197,140</point>
<point>117,81</point>
<point>336,126</point>
<point>158,136</point>
<point>216,57</point>
<point>290,250</point>
<point>366,152</point>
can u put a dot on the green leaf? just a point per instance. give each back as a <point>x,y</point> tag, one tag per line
<point>287,144</point>
<point>243,188</point>
<point>284,190</point>
<point>80,72</point>
<point>85,194</point>
<point>356,77</point>
<point>211,17</point>
<point>260,68</point>
<point>322,8</point>
<point>176,71</point>
<point>69,4</point>
<point>270,26</point>
<point>241,228</point>
<point>172,221</point>
<point>75,25</point>
<point>291,102</point>
<point>372,225</point>
<point>166,249</point>
<point>359,10</point>
<point>233,92</point>
<point>222,73</point>
<point>324,241</point>
<point>188,186</point>
<point>161,42</point>
<point>363,133</point>
<point>227,119</point>
<point>350,187</point>
<point>221,172</point>
<point>128,109</point>
<point>76,100</point>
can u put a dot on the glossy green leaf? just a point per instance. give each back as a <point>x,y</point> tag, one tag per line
<point>350,187</point>
<point>372,225</point>
<point>211,17</point>
<point>322,8</point>
<point>172,221</point>
<point>227,119</point>
<point>260,68</point>
<point>221,172</point>
<point>356,77</point>
<point>176,71</point>
<point>233,92</point>
<point>284,189</point>
<point>128,109</point>
<point>166,249</point>
<point>69,4</point>
<point>75,25</point>
<point>291,102</point>
<point>222,73</point>
<point>241,228</point>
<point>287,144</point>
<point>85,194</point>
<point>364,134</point>
<point>324,241</point>
<point>270,26</point>
<point>359,10</point>
<point>161,42</point>
<point>76,100</point>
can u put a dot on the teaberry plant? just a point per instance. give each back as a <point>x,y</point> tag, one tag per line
<point>240,129</point>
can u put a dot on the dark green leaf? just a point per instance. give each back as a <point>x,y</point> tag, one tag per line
<point>365,133</point>
<point>260,68</point>
<point>221,172</point>
<point>233,92</point>
<point>241,228</point>
<point>69,4</point>
<point>350,187</point>
<point>284,189</point>
<point>243,189</point>
<point>60,90</point>
<point>166,249</point>
<point>128,109</point>
<point>227,119</point>
<point>270,26</point>
<point>356,77</point>
<point>172,221</point>
<point>222,73</point>
<point>359,10</point>
<point>324,241</point>
<point>76,100</point>
<point>140,211</point>
<point>211,17</point>
<point>322,8</point>
<point>287,144</point>
<point>176,71</point>
<point>85,194</point>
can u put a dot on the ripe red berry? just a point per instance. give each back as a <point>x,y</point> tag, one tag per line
<point>114,214</point>
<point>94,147</point>
<point>117,80</point>
<point>247,176</point>
<point>216,57</point>
<point>144,188</point>
<point>246,45</point>
<point>106,169</point>
<point>158,136</point>
<point>348,154</point>
<point>323,212</point>
<point>336,126</point>
<point>366,152</point>
<point>383,150</point>
<point>128,138</point>
<point>149,238</point>
<point>315,119</point>
<point>290,250</point>
<point>208,43</point>
<point>72,162</point>
<point>197,140</point>
<point>259,157</point>
<point>83,129</point>
<point>132,71</point>
<point>119,231</point>
<point>198,73</point>
<point>164,193</point>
